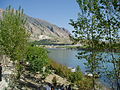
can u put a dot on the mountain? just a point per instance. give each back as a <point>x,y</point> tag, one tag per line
<point>41,30</point>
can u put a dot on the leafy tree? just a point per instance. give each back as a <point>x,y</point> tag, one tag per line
<point>97,23</point>
<point>87,32</point>
<point>13,36</point>
<point>111,31</point>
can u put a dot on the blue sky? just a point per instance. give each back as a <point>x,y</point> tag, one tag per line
<point>54,11</point>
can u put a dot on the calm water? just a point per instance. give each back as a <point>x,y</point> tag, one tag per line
<point>68,57</point>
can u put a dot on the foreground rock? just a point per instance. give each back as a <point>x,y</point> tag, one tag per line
<point>60,80</point>
<point>5,78</point>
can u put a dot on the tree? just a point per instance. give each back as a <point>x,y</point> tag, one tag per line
<point>87,32</point>
<point>13,36</point>
<point>111,25</point>
<point>98,22</point>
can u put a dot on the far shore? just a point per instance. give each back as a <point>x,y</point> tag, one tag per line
<point>69,46</point>
<point>78,47</point>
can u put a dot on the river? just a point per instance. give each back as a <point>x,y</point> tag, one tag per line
<point>68,58</point>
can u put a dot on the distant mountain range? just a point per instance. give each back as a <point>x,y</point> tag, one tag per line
<point>43,30</point>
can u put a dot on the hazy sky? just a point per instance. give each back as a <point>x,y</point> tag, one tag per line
<point>55,11</point>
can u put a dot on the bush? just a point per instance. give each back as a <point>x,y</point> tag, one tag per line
<point>37,58</point>
<point>75,76</point>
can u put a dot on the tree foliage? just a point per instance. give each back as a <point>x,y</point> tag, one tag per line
<point>13,34</point>
<point>98,26</point>
<point>14,37</point>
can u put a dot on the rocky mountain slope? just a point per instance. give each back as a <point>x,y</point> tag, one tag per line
<point>43,30</point>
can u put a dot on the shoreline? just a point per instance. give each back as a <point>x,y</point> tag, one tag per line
<point>82,70</point>
<point>79,47</point>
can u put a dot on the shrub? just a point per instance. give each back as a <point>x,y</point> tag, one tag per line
<point>37,58</point>
<point>75,76</point>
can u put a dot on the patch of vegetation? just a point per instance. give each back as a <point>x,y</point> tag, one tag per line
<point>77,77</point>
<point>37,58</point>
<point>85,84</point>
<point>13,37</point>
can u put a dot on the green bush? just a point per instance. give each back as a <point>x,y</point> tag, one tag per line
<point>37,58</point>
<point>75,76</point>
